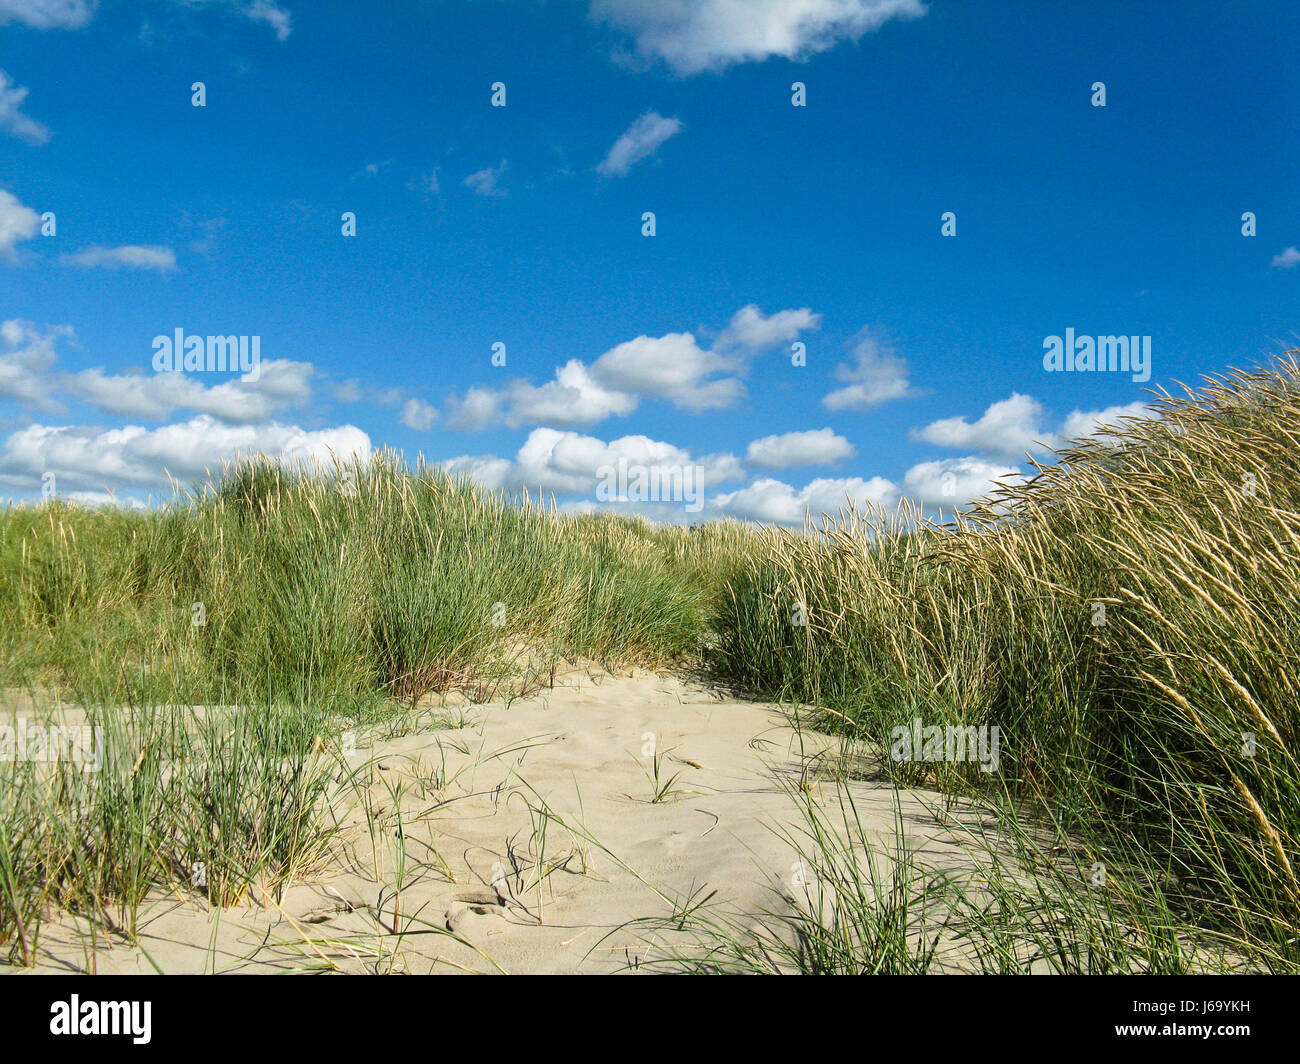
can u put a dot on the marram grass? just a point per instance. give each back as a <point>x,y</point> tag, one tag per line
<point>371,581</point>
<point>1129,621</point>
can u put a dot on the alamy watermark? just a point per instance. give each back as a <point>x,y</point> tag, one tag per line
<point>631,482</point>
<point>77,1017</point>
<point>81,744</point>
<point>1098,354</point>
<point>951,742</point>
<point>179,353</point>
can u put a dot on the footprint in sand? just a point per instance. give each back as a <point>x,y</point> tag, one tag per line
<point>477,912</point>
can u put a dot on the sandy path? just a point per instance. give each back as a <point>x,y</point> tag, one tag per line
<point>476,844</point>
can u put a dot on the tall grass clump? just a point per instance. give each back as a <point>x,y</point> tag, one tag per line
<point>365,581</point>
<point>1129,619</point>
<point>224,641</point>
<point>213,802</point>
<point>862,903</point>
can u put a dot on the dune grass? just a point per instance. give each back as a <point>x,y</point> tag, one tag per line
<point>375,581</point>
<point>1129,621</point>
<point>226,642</point>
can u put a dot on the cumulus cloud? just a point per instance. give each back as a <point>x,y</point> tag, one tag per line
<point>28,375</point>
<point>156,396</point>
<point>84,458</point>
<point>1287,258</point>
<point>641,140</point>
<point>750,328</point>
<point>672,367</point>
<point>17,223</point>
<point>943,484</point>
<point>573,398</point>
<point>128,256</point>
<point>676,368</point>
<point>12,119</point>
<point>773,501</point>
<point>48,14</point>
<point>418,415</point>
<point>1081,423</point>
<point>816,447</point>
<point>27,355</point>
<point>952,482</point>
<point>875,376</point>
<point>1014,426</point>
<point>1007,429</point>
<point>572,464</point>
<point>696,35</point>
<point>486,470</point>
<point>486,182</point>
<point>478,409</point>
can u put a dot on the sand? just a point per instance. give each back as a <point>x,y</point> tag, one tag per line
<point>520,890</point>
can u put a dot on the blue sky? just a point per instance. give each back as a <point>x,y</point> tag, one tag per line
<point>522,224</point>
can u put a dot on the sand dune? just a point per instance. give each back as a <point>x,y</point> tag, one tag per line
<point>530,833</point>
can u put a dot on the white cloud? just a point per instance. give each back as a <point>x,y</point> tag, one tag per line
<point>418,415</point>
<point>488,471</point>
<point>749,328</point>
<point>641,140</point>
<point>1083,423</point>
<point>1288,258</point>
<point>696,35</point>
<point>479,409</point>
<point>774,501</point>
<point>672,367</point>
<point>285,380</point>
<point>942,484</point>
<point>129,256</point>
<point>17,223</point>
<point>486,182</point>
<point>48,14</point>
<point>89,459</point>
<point>273,15</point>
<point>27,356</point>
<point>1008,429</point>
<point>816,447</point>
<point>573,398</point>
<point>951,482</point>
<point>156,396</point>
<point>104,500</point>
<point>12,119</point>
<point>267,12</point>
<point>28,376</point>
<point>669,367</point>
<point>572,464</point>
<point>73,14</point>
<point>876,376</point>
